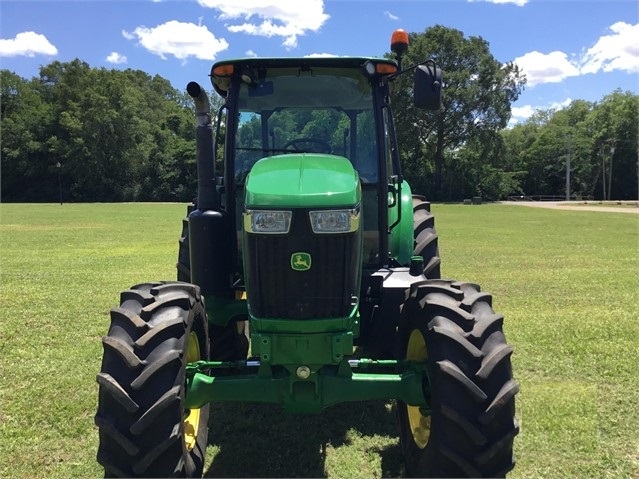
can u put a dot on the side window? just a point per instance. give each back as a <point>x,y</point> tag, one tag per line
<point>248,144</point>
<point>365,155</point>
<point>389,144</point>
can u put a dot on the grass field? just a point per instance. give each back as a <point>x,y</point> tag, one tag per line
<point>566,281</point>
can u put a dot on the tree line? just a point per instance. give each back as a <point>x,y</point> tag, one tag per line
<point>86,134</point>
<point>589,148</point>
<point>596,141</point>
<point>466,148</point>
<point>103,135</point>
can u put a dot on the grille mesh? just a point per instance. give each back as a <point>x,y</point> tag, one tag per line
<point>276,290</point>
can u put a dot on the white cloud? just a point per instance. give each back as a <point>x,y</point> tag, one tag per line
<point>522,113</point>
<point>250,53</point>
<point>559,105</point>
<point>182,40</point>
<point>519,3</point>
<point>288,19</point>
<point>28,44</point>
<point>321,55</point>
<point>551,67</point>
<point>519,113</point>
<point>115,57</point>
<point>617,51</point>
<point>390,15</point>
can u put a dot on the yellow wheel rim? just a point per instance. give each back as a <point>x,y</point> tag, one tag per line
<point>192,419</point>
<point>419,424</point>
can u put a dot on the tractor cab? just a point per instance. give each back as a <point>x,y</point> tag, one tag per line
<point>315,110</point>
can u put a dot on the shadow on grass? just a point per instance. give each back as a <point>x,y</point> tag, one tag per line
<point>257,440</point>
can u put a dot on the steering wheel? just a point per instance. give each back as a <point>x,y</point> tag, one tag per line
<point>313,145</point>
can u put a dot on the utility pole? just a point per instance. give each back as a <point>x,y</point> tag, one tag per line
<point>612,153</point>
<point>568,168</point>
<point>603,171</point>
<point>58,165</point>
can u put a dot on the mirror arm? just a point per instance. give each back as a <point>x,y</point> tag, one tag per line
<point>393,76</point>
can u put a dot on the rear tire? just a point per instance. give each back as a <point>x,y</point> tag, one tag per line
<point>183,264</point>
<point>230,342</point>
<point>471,426</point>
<point>144,429</point>
<point>426,241</point>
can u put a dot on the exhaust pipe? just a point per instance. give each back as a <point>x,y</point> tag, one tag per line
<point>209,226</point>
<point>207,198</point>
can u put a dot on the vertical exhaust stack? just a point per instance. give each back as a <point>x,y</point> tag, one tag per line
<point>209,226</point>
<point>207,198</point>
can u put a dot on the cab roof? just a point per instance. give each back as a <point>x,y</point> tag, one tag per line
<point>222,71</point>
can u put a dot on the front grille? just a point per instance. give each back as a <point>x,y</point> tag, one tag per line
<point>276,290</point>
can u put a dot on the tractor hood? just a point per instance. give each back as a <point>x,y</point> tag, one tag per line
<point>302,180</point>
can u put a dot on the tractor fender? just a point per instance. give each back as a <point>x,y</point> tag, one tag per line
<point>401,236</point>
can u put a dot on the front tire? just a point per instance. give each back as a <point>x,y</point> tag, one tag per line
<point>144,429</point>
<point>470,428</point>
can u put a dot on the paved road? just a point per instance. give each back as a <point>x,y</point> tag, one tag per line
<point>563,205</point>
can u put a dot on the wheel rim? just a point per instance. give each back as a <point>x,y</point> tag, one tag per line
<point>419,424</point>
<point>192,419</point>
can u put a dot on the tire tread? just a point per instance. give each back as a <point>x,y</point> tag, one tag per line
<point>425,239</point>
<point>471,391</point>
<point>141,384</point>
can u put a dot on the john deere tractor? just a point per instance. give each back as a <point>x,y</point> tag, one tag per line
<point>308,275</point>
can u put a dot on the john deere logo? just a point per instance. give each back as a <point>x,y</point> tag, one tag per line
<point>301,261</point>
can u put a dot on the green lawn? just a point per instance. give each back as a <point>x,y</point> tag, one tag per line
<point>566,281</point>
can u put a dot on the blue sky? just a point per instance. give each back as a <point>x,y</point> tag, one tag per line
<point>568,49</point>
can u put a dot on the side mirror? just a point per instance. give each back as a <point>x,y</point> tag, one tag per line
<point>427,92</point>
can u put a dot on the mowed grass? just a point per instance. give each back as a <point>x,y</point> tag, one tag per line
<point>567,283</point>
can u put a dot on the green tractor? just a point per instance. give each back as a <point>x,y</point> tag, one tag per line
<point>308,275</point>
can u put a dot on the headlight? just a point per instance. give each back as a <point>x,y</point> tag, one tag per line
<point>335,221</point>
<point>267,222</point>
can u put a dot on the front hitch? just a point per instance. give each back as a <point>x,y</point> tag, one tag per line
<point>302,390</point>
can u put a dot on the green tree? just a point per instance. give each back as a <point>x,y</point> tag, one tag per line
<point>613,124</point>
<point>477,97</point>
<point>117,135</point>
<point>582,135</point>
<point>28,172</point>
<point>168,169</point>
<point>96,128</point>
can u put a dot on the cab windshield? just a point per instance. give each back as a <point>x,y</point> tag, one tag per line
<point>314,110</point>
